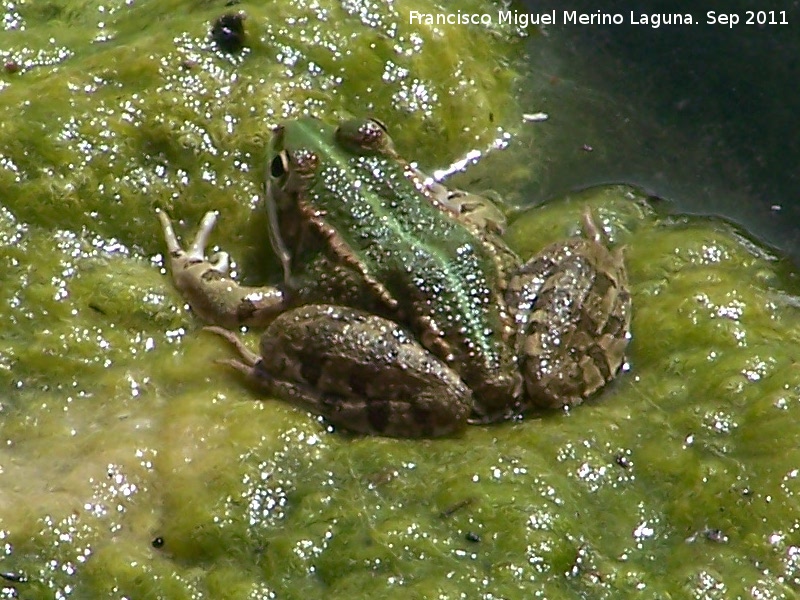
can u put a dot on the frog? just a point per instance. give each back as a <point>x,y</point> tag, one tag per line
<point>402,312</point>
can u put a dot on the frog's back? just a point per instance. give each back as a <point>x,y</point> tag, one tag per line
<point>430,270</point>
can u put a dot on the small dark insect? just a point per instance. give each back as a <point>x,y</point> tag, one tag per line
<point>472,537</point>
<point>157,542</point>
<point>14,577</point>
<point>228,32</point>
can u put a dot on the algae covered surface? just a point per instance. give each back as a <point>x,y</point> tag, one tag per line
<point>131,466</point>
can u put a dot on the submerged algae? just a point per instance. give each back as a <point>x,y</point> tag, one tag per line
<point>117,429</point>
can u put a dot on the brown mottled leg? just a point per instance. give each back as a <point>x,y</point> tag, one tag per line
<point>360,371</point>
<point>573,309</point>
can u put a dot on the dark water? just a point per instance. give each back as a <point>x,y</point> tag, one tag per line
<point>705,116</point>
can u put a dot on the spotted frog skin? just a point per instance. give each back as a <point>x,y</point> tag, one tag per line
<point>401,311</point>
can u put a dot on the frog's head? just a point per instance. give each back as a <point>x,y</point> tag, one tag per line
<point>301,147</point>
<point>297,151</point>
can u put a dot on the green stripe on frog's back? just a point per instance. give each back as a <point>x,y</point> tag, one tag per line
<point>431,265</point>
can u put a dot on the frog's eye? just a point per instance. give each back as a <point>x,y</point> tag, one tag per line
<point>365,137</point>
<point>279,165</point>
<point>380,124</point>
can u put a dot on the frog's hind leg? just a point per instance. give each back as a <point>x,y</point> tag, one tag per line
<point>573,310</point>
<point>362,372</point>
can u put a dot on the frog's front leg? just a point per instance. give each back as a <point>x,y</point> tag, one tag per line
<point>361,372</point>
<point>205,285</point>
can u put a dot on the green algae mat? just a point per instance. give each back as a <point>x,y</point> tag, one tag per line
<point>132,466</point>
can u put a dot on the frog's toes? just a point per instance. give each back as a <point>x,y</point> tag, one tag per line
<point>169,233</point>
<point>249,357</point>
<point>237,365</point>
<point>198,247</point>
<point>590,228</point>
<point>220,262</point>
